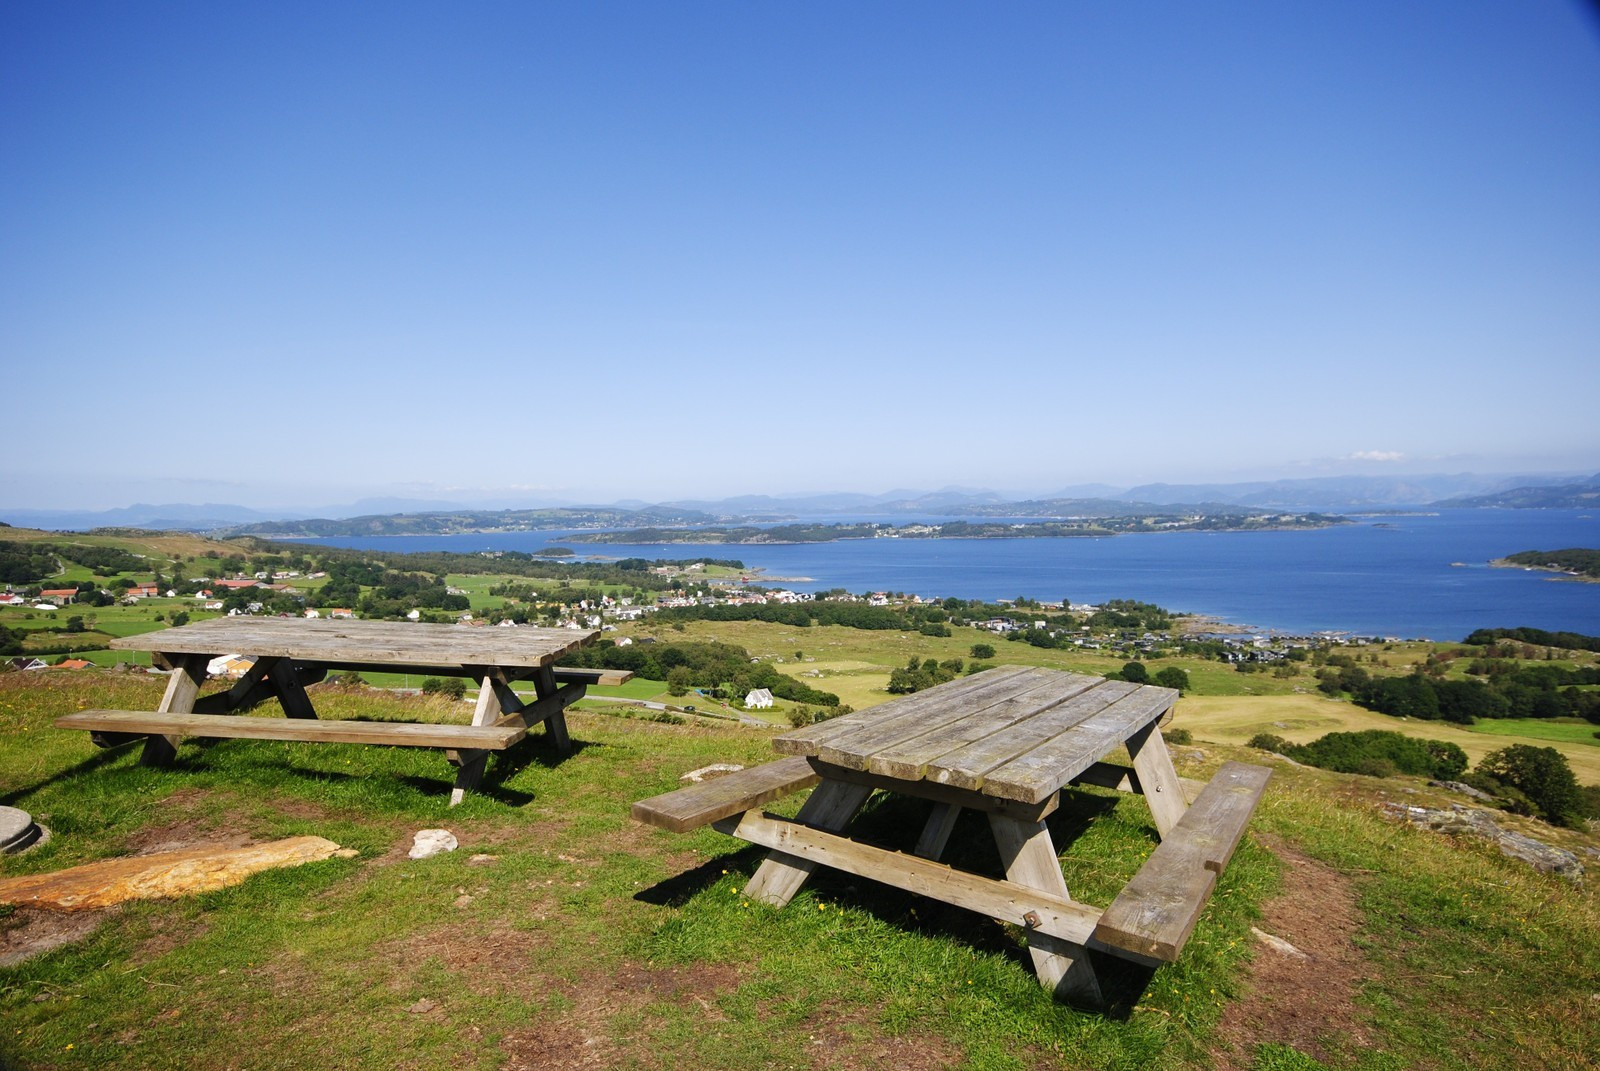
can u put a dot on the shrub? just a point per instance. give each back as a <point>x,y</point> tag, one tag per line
<point>453,688</point>
<point>1374,750</point>
<point>1172,677</point>
<point>1543,775</point>
<point>1178,736</point>
<point>1269,742</point>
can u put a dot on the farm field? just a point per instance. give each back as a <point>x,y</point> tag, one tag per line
<point>1301,718</point>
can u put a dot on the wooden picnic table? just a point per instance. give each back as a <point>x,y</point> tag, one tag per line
<point>292,653</point>
<point>1004,742</point>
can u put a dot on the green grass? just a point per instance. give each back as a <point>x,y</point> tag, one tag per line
<point>591,938</point>
<point>1558,730</point>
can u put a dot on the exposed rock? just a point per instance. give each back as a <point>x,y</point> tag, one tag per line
<point>706,773</point>
<point>1464,789</point>
<point>1278,944</point>
<point>429,842</point>
<point>483,859</point>
<point>155,877</point>
<point>422,1007</point>
<point>1460,819</point>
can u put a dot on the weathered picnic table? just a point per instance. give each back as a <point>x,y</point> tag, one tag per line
<point>1004,742</point>
<point>292,653</point>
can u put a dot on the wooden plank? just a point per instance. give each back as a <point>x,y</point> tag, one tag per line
<point>906,755</point>
<point>827,809</point>
<point>188,673</point>
<point>1154,915</point>
<point>603,678</point>
<point>936,832</point>
<point>230,726</point>
<point>1004,900</point>
<point>1162,790</point>
<point>1029,857</point>
<point>810,739</point>
<point>1223,809</point>
<point>709,801</point>
<point>1110,775</point>
<point>291,693</point>
<point>376,643</point>
<point>1041,766</point>
<point>930,790</point>
<point>968,766</point>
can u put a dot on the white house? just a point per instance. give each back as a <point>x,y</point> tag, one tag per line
<point>758,699</point>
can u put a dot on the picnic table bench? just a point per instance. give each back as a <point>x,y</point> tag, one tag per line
<point>291,654</point>
<point>1003,742</point>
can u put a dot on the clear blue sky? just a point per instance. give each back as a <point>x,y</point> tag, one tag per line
<point>290,254</point>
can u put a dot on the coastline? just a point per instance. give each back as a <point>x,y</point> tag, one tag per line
<point>1560,574</point>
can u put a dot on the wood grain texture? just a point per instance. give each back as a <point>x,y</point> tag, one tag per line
<point>1005,900</point>
<point>1154,915</point>
<point>228,726</point>
<point>900,715</point>
<point>1050,750</point>
<point>370,643</point>
<point>827,809</point>
<point>709,801</point>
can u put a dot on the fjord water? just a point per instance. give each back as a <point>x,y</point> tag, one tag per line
<point>1408,575</point>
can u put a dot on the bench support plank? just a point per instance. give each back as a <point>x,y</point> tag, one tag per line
<point>1009,901</point>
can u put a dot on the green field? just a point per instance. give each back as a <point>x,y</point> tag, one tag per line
<point>1554,730</point>
<point>590,941</point>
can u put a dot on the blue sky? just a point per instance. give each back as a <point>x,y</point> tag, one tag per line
<point>291,254</point>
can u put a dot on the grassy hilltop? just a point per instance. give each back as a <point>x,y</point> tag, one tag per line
<point>585,940</point>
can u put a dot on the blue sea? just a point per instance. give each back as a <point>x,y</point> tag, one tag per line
<point>1412,575</point>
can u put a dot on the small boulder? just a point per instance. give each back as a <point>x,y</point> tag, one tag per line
<point>706,773</point>
<point>430,842</point>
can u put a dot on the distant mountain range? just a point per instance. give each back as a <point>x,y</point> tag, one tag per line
<point>1580,495</point>
<point>1328,494</point>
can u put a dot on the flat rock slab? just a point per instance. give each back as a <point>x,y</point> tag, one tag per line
<point>161,876</point>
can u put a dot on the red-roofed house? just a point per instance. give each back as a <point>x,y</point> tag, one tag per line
<point>62,595</point>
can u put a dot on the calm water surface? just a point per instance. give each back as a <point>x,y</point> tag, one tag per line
<point>1408,575</point>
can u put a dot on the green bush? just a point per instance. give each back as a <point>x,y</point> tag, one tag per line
<point>1543,775</point>
<point>1269,742</point>
<point>1380,753</point>
<point>1178,736</point>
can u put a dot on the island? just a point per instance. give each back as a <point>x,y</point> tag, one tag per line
<point>1077,527</point>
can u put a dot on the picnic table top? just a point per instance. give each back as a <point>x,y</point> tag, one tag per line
<point>399,643</point>
<point>1015,733</point>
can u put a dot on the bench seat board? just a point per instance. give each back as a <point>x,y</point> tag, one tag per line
<point>219,726</point>
<point>711,801</point>
<point>1153,916</point>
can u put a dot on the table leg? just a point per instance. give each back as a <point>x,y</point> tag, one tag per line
<point>544,685</point>
<point>493,695</point>
<point>1030,859</point>
<point>285,677</point>
<point>831,806</point>
<point>188,673</point>
<point>1158,780</point>
<point>941,822</point>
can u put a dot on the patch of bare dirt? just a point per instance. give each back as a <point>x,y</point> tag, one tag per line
<point>581,1037</point>
<point>852,1038</point>
<point>1308,1003</point>
<point>489,961</point>
<point>28,932</point>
